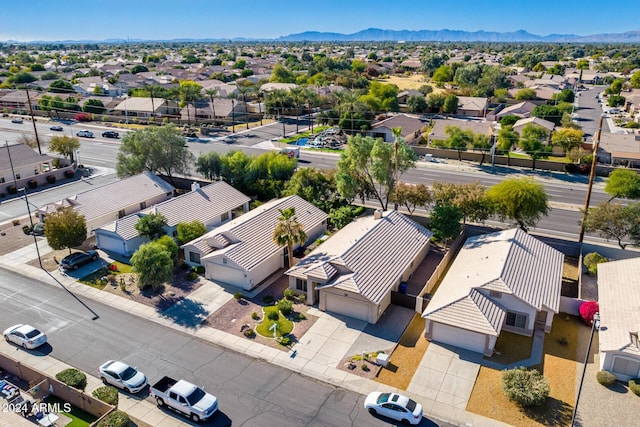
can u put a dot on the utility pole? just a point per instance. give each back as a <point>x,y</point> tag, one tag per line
<point>35,129</point>
<point>592,175</point>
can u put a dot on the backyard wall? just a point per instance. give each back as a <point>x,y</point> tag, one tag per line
<point>570,305</point>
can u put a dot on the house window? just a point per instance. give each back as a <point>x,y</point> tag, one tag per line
<point>224,260</point>
<point>121,213</point>
<point>224,217</point>
<point>143,205</point>
<point>495,294</point>
<point>517,320</point>
<point>301,285</point>
<point>194,257</point>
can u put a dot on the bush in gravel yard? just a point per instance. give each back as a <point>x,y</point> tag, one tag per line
<point>192,275</point>
<point>588,310</point>
<point>273,315</point>
<point>249,333</point>
<point>26,229</point>
<point>634,386</point>
<point>525,387</point>
<point>200,269</point>
<point>592,260</point>
<point>285,306</point>
<point>289,294</point>
<point>237,296</point>
<point>107,394</point>
<point>255,316</point>
<point>301,316</point>
<point>73,378</point>
<point>606,378</point>
<point>115,419</point>
<point>284,341</point>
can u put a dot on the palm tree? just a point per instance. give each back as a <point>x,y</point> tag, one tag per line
<point>233,96</point>
<point>289,231</point>
<point>153,91</point>
<point>212,93</point>
<point>297,95</point>
<point>311,99</point>
<point>243,90</point>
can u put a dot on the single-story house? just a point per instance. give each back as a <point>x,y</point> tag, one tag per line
<point>145,107</point>
<point>507,280</point>
<point>411,128</point>
<point>618,300</point>
<point>520,124</point>
<point>101,205</point>
<point>212,205</point>
<point>353,272</point>
<point>27,164</point>
<point>439,129</point>
<point>222,108</point>
<point>521,109</point>
<point>472,106</point>
<point>404,96</point>
<point>619,149</point>
<point>242,252</point>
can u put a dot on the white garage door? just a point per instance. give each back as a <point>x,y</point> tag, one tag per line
<point>223,274</point>
<point>626,368</point>
<point>458,337</point>
<point>108,243</point>
<point>347,306</point>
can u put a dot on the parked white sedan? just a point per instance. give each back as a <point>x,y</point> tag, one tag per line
<point>395,406</point>
<point>25,336</point>
<point>123,376</point>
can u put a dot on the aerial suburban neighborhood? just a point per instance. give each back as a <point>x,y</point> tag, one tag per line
<point>321,230</point>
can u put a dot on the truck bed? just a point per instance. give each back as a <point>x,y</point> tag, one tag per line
<point>164,384</point>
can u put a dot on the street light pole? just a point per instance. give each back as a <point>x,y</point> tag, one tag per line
<point>594,326</point>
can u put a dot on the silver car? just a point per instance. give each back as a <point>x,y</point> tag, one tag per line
<point>123,376</point>
<point>26,336</point>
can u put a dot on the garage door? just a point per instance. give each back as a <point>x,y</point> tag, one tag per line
<point>626,368</point>
<point>347,306</point>
<point>458,337</point>
<point>224,274</point>
<point>108,243</point>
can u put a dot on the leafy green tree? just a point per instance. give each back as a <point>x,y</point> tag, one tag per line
<point>64,145</point>
<point>614,221</point>
<point>635,80</point>
<point>65,229</point>
<point>525,94</point>
<point>508,120</point>
<point>94,106</point>
<point>525,387</point>
<point>522,200</point>
<point>548,112</point>
<point>316,186</point>
<point>188,231</point>
<point>442,75</point>
<point>151,226</point>
<point>169,245</point>
<point>567,95</point>
<point>480,142</point>
<point>381,97</point>
<point>233,167</point>
<point>367,167</point>
<point>471,199</point>
<point>623,183</point>
<point>425,89</point>
<point>412,196</point>
<point>532,141</point>
<point>444,221</point>
<point>341,216</point>
<point>61,86</point>
<point>615,88</point>
<point>289,231</point>
<point>267,173</point>
<point>417,104</point>
<point>616,101</point>
<point>159,149</point>
<point>450,105</point>
<point>280,74</point>
<point>567,138</point>
<point>189,92</point>
<point>458,139</point>
<point>139,69</point>
<point>591,261</point>
<point>153,264</point>
<point>468,75</point>
<point>435,101</point>
<point>209,165</point>
<point>21,77</point>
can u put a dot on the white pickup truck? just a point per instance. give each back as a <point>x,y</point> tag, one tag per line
<point>184,397</point>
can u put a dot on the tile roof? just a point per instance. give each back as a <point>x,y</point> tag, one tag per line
<point>250,236</point>
<point>509,261</point>
<point>21,155</point>
<point>619,301</point>
<point>409,124</point>
<point>370,253</point>
<point>473,103</point>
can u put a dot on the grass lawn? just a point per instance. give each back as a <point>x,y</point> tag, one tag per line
<point>558,367</point>
<point>550,158</point>
<point>306,134</point>
<point>405,359</point>
<point>413,81</point>
<point>122,267</point>
<point>512,348</point>
<point>93,279</point>
<point>285,326</point>
<point>79,418</point>
<point>128,126</point>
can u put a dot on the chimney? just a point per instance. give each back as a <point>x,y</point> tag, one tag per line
<point>377,214</point>
<point>634,338</point>
<point>195,186</point>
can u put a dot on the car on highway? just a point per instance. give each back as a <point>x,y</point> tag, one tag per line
<point>110,134</point>
<point>85,133</point>
<point>77,260</point>
<point>26,336</point>
<point>17,120</point>
<point>121,375</point>
<point>56,128</point>
<point>395,406</point>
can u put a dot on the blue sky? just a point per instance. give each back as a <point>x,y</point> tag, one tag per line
<point>168,19</point>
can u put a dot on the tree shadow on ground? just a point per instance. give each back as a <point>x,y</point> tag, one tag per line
<point>186,313</point>
<point>554,413</point>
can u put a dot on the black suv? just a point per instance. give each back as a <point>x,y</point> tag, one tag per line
<point>110,134</point>
<point>77,260</point>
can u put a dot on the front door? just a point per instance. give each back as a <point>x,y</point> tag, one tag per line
<point>541,319</point>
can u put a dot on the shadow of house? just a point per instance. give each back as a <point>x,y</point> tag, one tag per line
<point>186,312</point>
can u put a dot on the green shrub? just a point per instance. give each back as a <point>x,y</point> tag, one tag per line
<point>289,294</point>
<point>249,333</point>
<point>273,315</point>
<point>115,419</point>
<point>284,341</point>
<point>364,367</point>
<point>634,386</point>
<point>592,260</point>
<point>26,229</point>
<point>107,394</point>
<point>525,387</point>
<point>237,295</point>
<point>255,316</point>
<point>268,299</point>
<point>73,378</point>
<point>301,316</point>
<point>606,378</point>
<point>192,275</point>
<point>285,306</point>
<point>200,269</point>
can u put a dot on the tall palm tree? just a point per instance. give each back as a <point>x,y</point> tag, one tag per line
<point>296,94</point>
<point>233,96</point>
<point>212,93</point>
<point>289,231</point>
<point>153,91</point>
<point>311,99</point>
<point>243,91</point>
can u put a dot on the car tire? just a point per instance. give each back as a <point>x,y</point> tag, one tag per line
<point>6,337</point>
<point>195,418</point>
<point>104,381</point>
<point>24,346</point>
<point>159,401</point>
<point>405,422</point>
<point>128,390</point>
<point>373,411</point>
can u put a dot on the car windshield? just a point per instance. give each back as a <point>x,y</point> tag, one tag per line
<point>383,398</point>
<point>196,396</point>
<point>128,373</point>
<point>33,333</point>
<point>411,405</point>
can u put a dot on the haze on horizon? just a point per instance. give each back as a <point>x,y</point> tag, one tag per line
<point>199,19</point>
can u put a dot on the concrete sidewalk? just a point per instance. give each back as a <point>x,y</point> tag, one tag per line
<point>316,355</point>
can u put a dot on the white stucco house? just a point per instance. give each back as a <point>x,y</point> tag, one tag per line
<point>212,205</point>
<point>353,272</point>
<point>619,302</point>
<point>104,204</point>
<point>507,280</point>
<point>242,252</point>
